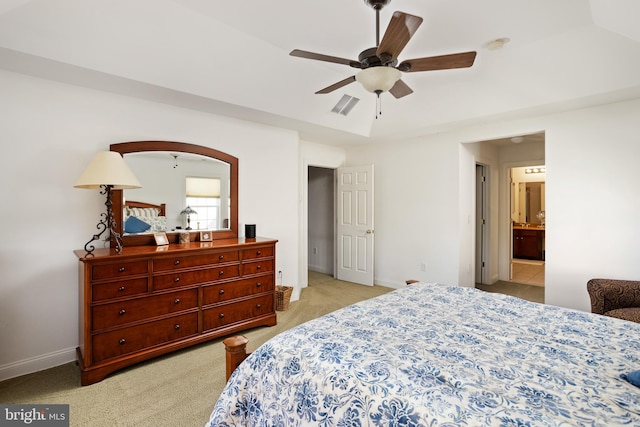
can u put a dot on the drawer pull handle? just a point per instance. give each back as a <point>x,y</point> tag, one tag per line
<point>221,315</point>
<point>221,292</point>
<point>176,280</point>
<point>121,289</point>
<point>176,327</point>
<point>258,267</point>
<point>259,253</point>
<point>121,312</point>
<point>258,284</point>
<point>122,341</point>
<point>121,269</point>
<point>176,262</point>
<point>220,273</point>
<point>221,257</point>
<point>258,306</point>
<point>176,301</point>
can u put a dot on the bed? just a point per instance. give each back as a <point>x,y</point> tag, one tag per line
<point>142,217</point>
<point>436,355</point>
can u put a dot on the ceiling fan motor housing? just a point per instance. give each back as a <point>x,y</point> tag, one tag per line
<point>369,58</point>
<point>377,4</point>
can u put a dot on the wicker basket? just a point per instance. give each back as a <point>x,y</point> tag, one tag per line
<point>283,295</point>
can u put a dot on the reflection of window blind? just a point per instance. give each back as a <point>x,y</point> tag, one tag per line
<point>203,187</point>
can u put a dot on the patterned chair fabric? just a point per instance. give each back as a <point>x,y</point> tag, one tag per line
<point>615,298</point>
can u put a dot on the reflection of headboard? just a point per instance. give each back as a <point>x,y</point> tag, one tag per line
<point>132,204</point>
<point>142,217</point>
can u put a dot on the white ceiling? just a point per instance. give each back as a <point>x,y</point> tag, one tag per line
<point>232,57</point>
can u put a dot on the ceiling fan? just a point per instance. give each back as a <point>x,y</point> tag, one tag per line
<point>379,67</point>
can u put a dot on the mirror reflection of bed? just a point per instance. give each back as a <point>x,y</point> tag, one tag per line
<point>141,217</point>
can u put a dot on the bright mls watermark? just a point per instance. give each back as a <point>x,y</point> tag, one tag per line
<point>34,415</point>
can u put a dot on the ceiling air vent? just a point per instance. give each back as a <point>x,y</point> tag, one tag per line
<point>345,105</point>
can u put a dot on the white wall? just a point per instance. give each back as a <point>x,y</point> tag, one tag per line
<point>592,201</point>
<point>416,205</point>
<point>49,132</point>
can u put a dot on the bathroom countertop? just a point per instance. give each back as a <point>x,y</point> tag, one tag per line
<point>522,226</point>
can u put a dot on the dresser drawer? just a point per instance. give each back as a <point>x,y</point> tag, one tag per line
<point>119,289</point>
<point>228,291</point>
<point>120,313</point>
<point>253,253</point>
<point>186,278</point>
<point>254,267</point>
<point>128,340</point>
<point>118,269</point>
<point>163,264</point>
<point>227,314</point>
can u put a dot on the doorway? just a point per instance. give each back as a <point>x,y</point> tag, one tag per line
<point>320,220</point>
<point>528,215</point>
<point>493,225</point>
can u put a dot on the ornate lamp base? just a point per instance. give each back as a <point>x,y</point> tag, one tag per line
<point>107,222</point>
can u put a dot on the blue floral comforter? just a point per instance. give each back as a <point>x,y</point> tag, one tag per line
<point>435,355</point>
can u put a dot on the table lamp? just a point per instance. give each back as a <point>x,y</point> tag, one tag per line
<point>107,171</point>
<point>188,211</point>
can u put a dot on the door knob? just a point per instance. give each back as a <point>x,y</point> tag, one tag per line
<point>369,231</point>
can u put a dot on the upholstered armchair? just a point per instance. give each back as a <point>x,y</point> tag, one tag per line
<point>615,298</point>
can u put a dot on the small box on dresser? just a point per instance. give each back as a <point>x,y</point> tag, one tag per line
<point>142,303</point>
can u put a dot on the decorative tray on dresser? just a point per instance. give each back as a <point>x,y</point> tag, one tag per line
<point>151,300</point>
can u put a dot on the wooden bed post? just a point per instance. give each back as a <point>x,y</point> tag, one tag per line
<point>236,352</point>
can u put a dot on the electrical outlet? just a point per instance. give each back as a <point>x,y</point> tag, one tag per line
<point>315,251</point>
<point>423,266</point>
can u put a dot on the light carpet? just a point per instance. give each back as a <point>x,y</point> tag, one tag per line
<point>178,389</point>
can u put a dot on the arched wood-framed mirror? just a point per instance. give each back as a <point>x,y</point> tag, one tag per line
<point>173,155</point>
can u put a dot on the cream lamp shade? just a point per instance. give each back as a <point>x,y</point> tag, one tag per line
<point>107,168</point>
<point>378,79</point>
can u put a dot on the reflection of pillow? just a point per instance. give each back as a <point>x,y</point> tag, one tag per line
<point>632,377</point>
<point>158,223</point>
<point>135,225</point>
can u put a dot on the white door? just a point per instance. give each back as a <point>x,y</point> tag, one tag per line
<point>355,224</point>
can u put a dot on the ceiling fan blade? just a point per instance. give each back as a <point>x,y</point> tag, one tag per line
<point>338,85</point>
<point>443,62</point>
<point>398,33</point>
<point>400,89</point>
<point>317,56</point>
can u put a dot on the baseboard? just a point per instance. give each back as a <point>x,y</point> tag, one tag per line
<point>318,269</point>
<point>388,283</point>
<point>38,363</point>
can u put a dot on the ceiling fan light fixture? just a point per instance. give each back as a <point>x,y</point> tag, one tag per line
<point>378,79</point>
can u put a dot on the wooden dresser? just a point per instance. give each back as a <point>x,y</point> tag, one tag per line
<point>148,300</point>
